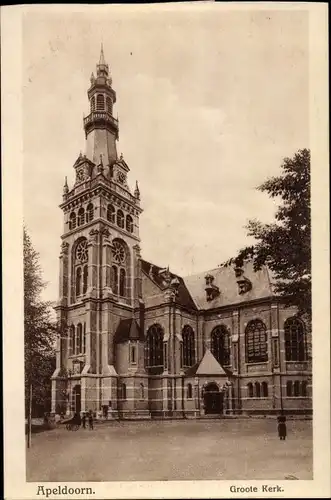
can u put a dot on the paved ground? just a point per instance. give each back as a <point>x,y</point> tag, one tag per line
<point>172,450</point>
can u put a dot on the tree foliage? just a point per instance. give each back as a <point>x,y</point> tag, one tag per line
<point>39,330</point>
<point>285,245</point>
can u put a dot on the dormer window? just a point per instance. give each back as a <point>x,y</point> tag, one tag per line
<point>212,291</point>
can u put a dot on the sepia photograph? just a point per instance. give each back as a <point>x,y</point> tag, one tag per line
<point>167,247</point>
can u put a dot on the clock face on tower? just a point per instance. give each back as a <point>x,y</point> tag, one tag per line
<point>120,177</point>
<point>80,175</point>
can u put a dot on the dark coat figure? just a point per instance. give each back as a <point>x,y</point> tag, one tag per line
<point>90,421</point>
<point>84,420</point>
<point>77,420</point>
<point>282,431</point>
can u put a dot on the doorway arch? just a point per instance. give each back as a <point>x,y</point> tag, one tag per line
<point>76,399</point>
<point>212,398</point>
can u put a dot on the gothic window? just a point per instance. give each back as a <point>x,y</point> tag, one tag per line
<point>189,391</point>
<point>142,391</point>
<point>120,267</point>
<point>80,268</point>
<point>81,216</point>
<point>111,213</point>
<point>188,346</point>
<point>289,389</point>
<point>257,390</point>
<point>297,388</point>
<point>72,221</point>
<point>84,339</point>
<point>295,349</point>
<point>133,354</point>
<point>154,350</point>
<point>120,219</point>
<point>264,386</point>
<point>123,391</point>
<point>93,104</point>
<point>71,340</point>
<point>89,212</point>
<point>129,224</point>
<point>100,102</point>
<point>304,388</point>
<point>256,342</point>
<point>109,105</point>
<point>79,340</point>
<point>220,344</point>
<point>250,390</point>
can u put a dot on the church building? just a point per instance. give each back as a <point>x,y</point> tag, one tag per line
<point>139,341</point>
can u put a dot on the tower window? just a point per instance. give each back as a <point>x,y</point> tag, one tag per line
<point>114,279</point>
<point>81,216</point>
<point>120,219</point>
<point>256,342</point>
<point>264,389</point>
<point>297,388</point>
<point>123,391</point>
<point>109,105</point>
<point>189,391</point>
<point>72,221</point>
<point>295,349</point>
<point>80,270</point>
<point>154,350</point>
<point>71,340</point>
<point>120,269</point>
<point>133,354</point>
<point>111,213</point>
<point>250,389</point>
<point>89,212</point>
<point>220,344</point>
<point>78,281</point>
<point>93,104</point>
<point>84,339</point>
<point>122,282</point>
<point>85,276</point>
<point>79,341</point>
<point>100,102</point>
<point>188,346</point>
<point>129,224</point>
<point>289,389</point>
<point>257,390</point>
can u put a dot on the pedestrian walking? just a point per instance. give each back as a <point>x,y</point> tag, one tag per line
<point>84,420</point>
<point>90,421</point>
<point>282,431</point>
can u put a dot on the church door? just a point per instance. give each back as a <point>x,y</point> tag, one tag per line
<point>76,398</point>
<point>212,399</point>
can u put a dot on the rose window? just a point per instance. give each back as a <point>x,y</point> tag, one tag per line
<point>82,251</point>
<point>118,253</point>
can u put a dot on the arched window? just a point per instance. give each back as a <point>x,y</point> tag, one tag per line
<point>71,340</point>
<point>93,104</point>
<point>120,219</point>
<point>84,339</point>
<point>250,389</point>
<point>122,282</point>
<point>80,271</point>
<point>154,350</point>
<point>129,223</point>
<point>109,105</point>
<point>256,342</point>
<point>189,391</point>
<point>114,279</point>
<point>289,389</point>
<point>79,343</point>
<point>81,216</point>
<point>78,281</point>
<point>188,346</point>
<point>296,388</point>
<point>100,102</point>
<point>72,221</point>
<point>73,332</point>
<point>142,391</point>
<point>264,389</point>
<point>85,277</point>
<point>304,388</point>
<point>257,390</point>
<point>123,391</point>
<point>220,344</point>
<point>295,348</point>
<point>111,213</point>
<point>89,212</point>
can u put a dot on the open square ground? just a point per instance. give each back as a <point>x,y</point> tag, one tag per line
<point>173,450</point>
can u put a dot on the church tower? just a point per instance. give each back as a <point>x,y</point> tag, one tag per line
<point>100,267</point>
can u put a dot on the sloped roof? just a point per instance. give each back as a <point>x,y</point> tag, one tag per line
<point>208,365</point>
<point>128,329</point>
<point>225,279</point>
<point>184,298</point>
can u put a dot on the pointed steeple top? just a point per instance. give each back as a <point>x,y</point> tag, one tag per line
<point>102,57</point>
<point>137,192</point>
<point>65,187</point>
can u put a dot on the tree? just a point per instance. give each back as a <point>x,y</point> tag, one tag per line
<point>285,245</point>
<point>39,332</point>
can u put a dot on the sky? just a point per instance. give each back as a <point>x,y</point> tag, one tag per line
<point>209,103</point>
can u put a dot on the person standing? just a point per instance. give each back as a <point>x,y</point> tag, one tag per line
<point>84,420</point>
<point>90,420</point>
<point>282,431</point>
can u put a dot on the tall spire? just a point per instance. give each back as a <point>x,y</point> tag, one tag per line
<point>102,57</point>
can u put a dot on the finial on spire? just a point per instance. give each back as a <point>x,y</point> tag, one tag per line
<point>137,192</point>
<point>100,166</point>
<point>102,57</point>
<point>65,187</point>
